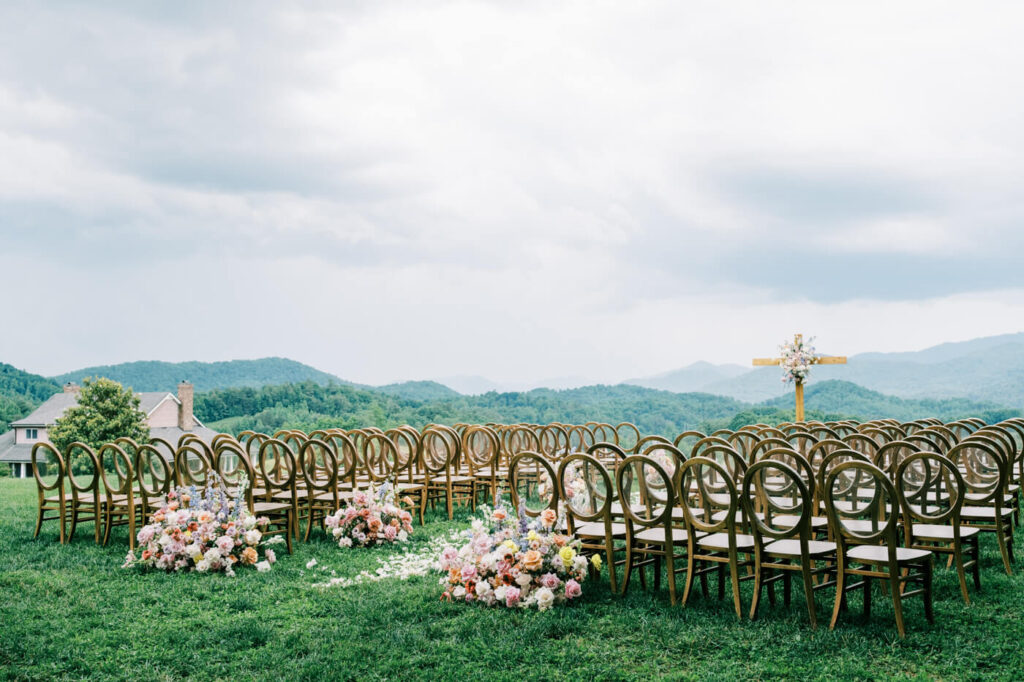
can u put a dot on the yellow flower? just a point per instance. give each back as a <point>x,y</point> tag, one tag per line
<point>596,561</point>
<point>532,535</point>
<point>508,544</point>
<point>567,554</point>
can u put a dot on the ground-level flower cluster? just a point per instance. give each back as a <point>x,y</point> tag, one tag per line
<point>514,562</point>
<point>370,519</point>
<point>203,530</point>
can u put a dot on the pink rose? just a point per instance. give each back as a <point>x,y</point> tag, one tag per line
<point>271,557</point>
<point>511,596</point>
<point>145,535</point>
<point>225,544</point>
<point>468,573</point>
<point>572,589</point>
<point>390,532</point>
<point>550,581</point>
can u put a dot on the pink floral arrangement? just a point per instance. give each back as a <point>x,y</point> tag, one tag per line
<point>370,520</point>
<point>203,531</point>
<point>515,563</point>
<point>797,357</point>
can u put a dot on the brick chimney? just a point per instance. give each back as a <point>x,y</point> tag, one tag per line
<point>72,387</point>
<point>186,420</point>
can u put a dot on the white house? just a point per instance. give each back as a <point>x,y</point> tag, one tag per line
<point>169,416</point>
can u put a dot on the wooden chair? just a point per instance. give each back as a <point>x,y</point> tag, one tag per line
<point>985,473</point>
<point>647,495</point>
<point>278,471</point>
<point>155,477</point>
<point>780,507</point>
<point>407,447</point>
<point>533,484</point>
<point>712,508</point>
<point>83,471</point>
<point>122,507</point>
<point>319,467</point>
<point>481,448</point>
<point>49,471</point>
<point>867,543</point>
<point>439,454</point>
<point>192,464</point>
<point>931,493</point>
<point>588,491</point>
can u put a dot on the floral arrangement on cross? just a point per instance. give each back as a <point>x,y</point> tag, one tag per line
<point>796,358</point>
<point>515,563</point>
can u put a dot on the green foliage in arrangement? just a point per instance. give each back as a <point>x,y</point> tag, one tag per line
<point>105,411</point>
<point>73,614</point>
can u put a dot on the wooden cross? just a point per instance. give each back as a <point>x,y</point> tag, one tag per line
<point>822,360</point>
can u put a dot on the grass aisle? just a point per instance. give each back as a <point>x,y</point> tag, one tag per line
<point>71,612</point>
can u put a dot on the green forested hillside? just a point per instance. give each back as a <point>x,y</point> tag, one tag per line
<point>308,406</point>
<point>419,390</point>
<point>21,392</point>
<point>847,398</point>
<point>165,376</point>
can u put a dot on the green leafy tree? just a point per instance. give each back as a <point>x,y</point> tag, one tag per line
<point>105,411</point>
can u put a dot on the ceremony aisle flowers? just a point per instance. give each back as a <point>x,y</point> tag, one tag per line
<point>203,530</point>
<point>797,356</point>
<point>514,563</point>
<point>370,520</point>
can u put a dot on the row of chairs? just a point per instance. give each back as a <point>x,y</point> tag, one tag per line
<point>780,514</point>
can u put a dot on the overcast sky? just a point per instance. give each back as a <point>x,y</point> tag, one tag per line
<point>518,190</point>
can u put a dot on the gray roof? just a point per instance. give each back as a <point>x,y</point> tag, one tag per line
<point>9,452</point>
<point>55,406</point>
<point>22,452</point>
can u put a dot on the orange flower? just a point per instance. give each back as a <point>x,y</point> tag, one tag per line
<point>560,540</point>
<point>375,525</point>
<point>249,556</point>
<point>396,523</point>
<point>533,560</point>
<point>146,554</point>
<point>548,517</point>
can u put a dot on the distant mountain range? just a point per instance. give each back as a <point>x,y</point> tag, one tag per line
<point>981,375</point>
<point>985,369</point>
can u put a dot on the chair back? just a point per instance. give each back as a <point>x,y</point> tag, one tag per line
<point>117,471</point>
<point>861,504</point>
<point>154,474</point>
<point>49,470</point>
<point>645,491</point>
<point>533,484</point>
<point>586,488</point>
<point>931,490</point>
<point>781,496</point>
<point>710,502</point>
<point>83,470</point>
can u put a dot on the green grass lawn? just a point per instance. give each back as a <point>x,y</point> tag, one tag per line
<point>71,612</point>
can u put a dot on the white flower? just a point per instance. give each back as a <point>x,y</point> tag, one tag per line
<point>213,555</point>
<point>263,566</point>
<point>345,542</point>
<point>499,592</point>
<point>580,563</point>
<point>338,532</point>
<point>459,592</point>
<point>402,536</point>
<point>478,526</point>
<point>311,563</point>
<point>487,562</point>
<point>483,588</point>
<point>545,598</point>
<point>165,540</point>
<point>194,550</point>
<point>203,566</point>
<point>253,536</point>
<point>524,579</point>
<point>250,522</point>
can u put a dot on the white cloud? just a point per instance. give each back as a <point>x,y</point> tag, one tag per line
<point>519,190</point>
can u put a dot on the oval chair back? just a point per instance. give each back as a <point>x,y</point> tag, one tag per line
<point>532,484</point>
<point>49,470</point>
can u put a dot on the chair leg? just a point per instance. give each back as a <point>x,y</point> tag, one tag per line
<point>976,567</point>
<point>39,524</point>
<point>958,556</point>
<point>897,600</point>
<point>840,589</point>
<point>805,571</point>
<point>758,586</point>
<point>734,573</point>
<point>928,570</point>
<point>671,572</point>
<point>629,566</point>
<point>690,566</point>
<point>63,534</point>
<point>610,560</point>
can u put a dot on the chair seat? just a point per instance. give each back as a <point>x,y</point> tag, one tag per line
<point>817,522</point>
<point>982,513</point>
<point>876,554</point>
<point>791,548</point>
<point>720,541</point>
<point>938,532</point>
<point>595,529</point>
<point>487,472</point>
<point>269,507</point>
<point>56,498</point>
<point>408,487</point>
<point>657,535</point>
